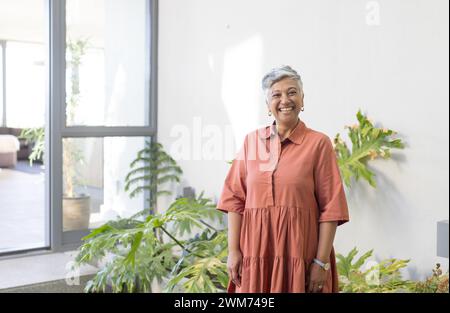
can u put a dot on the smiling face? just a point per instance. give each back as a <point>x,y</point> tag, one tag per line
<point>285,100</point>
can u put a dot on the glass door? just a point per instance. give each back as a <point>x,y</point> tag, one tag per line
<point>24,205</point>
<point>106,108</point>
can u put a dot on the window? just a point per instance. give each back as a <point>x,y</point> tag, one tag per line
<point>25,84</point>
<point>107,63</point>
<point>107,110</point>
<point>92,89</point>
<point>24,215</point>
<point>94,174</point>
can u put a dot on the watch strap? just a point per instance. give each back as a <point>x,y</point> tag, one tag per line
<point>325,266</point>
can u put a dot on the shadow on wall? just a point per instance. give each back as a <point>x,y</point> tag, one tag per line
<point>385,215</point>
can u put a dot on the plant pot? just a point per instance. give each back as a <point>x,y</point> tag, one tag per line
<point>76,212</point>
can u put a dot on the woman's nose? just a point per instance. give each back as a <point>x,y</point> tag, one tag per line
<point>284,98</point>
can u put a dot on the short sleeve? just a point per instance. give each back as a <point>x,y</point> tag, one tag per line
<point>328,187</point>
<point>234,189</point>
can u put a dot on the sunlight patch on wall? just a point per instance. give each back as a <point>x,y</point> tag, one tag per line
<point>241,86</point>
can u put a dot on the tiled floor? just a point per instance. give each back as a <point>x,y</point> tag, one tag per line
<point>37,269</point>
<point>22,207</point>
<point>22,215</point>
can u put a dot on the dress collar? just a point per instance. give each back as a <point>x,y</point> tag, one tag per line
<point>296,136</point>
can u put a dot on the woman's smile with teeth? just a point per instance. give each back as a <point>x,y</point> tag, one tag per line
<point>286,109</point>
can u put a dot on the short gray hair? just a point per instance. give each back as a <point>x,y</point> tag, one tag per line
<point>279,73</point>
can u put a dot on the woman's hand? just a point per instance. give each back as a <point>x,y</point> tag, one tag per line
<point>234,266</point>
<point>316,278</point>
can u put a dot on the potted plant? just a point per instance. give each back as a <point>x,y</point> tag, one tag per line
<point>35,138</point>
<point>76,205</point>
<point>147,246</point>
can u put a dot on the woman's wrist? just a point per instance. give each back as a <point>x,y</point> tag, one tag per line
<point>322,258</point>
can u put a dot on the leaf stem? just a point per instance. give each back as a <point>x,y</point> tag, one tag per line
<point>177,242</point>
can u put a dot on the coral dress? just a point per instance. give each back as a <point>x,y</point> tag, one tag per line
<point>283,190</point>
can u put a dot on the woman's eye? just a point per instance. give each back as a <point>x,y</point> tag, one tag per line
<point>292,93</point>
<point>275,95</point>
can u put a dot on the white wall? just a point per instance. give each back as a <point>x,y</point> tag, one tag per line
<point>212,55</point>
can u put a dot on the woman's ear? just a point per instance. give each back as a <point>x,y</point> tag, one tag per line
<point>269,112</point>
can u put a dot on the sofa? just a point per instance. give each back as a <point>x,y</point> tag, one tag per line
<point>25,147</point>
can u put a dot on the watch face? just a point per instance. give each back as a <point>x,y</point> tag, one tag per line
<point>326,266</point>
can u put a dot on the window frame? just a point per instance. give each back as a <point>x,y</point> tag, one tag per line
<point>57,129</point>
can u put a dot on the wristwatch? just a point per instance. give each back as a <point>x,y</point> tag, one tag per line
<point>324,266</point>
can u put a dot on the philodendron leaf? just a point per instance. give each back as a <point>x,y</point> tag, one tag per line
<point>368,143</point>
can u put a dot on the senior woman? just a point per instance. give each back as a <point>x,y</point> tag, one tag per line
<point>284,198</point>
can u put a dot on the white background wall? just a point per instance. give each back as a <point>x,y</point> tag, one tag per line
<point>212,55</point>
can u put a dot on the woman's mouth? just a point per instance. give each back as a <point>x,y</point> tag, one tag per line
<point>288,109</point>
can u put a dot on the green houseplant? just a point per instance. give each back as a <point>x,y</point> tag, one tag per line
<point>147,246</point>
<point>436,283</point>
<point>151,168</point>
<point>76,204</point>
<point>35,137</point>
<point>382,277</point>
<point>368,143</point>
